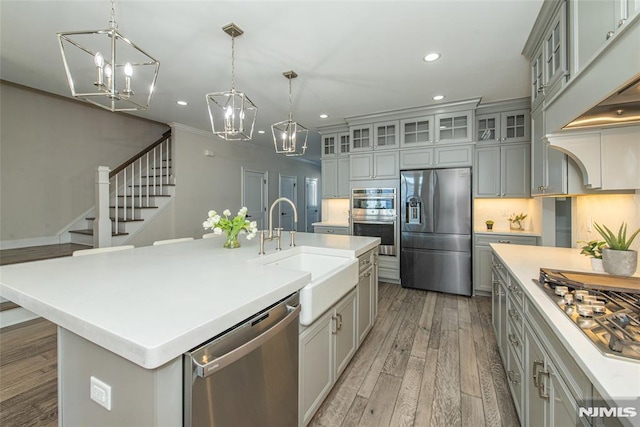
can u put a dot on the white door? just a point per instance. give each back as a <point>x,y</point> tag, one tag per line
<point>312,205</point>
<point>254,196</point>
<point>288,189</point>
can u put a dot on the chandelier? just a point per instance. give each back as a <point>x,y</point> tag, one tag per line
<point>289,137</point>
<point>232,113</point>
<point>106,69</point>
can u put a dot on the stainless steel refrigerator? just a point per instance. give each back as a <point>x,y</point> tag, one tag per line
<point>435,239</point>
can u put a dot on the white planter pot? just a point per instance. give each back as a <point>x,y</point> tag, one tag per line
<point>620,263</point>
<point>597,265</point>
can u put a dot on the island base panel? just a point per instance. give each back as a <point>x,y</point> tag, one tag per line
<point>149,397</point>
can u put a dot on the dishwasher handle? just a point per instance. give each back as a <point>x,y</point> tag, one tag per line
<point>218,363</point>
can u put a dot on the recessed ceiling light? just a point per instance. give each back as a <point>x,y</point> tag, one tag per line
<point>438,97</point>
<point>324,116</point>
<point>260,131</point>
<point>430,57</point>
<point>181,102</point>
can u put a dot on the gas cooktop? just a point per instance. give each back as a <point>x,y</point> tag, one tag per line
<point>606,308</point>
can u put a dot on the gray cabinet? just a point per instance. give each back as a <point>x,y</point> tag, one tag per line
<point>445,156</point>
<point>505,127</point>
<point>325,349</point>
<point>329,145</point>
<point>324,229</point>
<point>386,135</point>
<point>544,382</point>
<point>377,165</point>
<point>366,299</point>
<point>335,177</point>
<point>482,257</point>
<point>502,171</point>
<point>454,127</point>
<point>594,23</point>
<point>361,138</point>
<point>548,165</point>
<point>417,132</point>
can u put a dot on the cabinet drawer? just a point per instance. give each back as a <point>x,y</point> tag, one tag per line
<point>365,260</point>
<point>322,229</point>
<point>484,239</point>
<point>515,332</point>
<point>499,268</point>
<point>516,295</point>
<point>515,377</point>
<point>577,382</point>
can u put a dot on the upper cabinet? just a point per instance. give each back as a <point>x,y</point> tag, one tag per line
<point>454,127</point>
<point>329,145</point>
<point>386,135</point>
<point>361,138</point>
<point>344,145</point>
<point>512,126</point>
<point>417,132</point>
<point>594,23</point>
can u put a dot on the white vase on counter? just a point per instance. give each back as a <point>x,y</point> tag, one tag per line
<point>620,263</point>
<point>597,265</point>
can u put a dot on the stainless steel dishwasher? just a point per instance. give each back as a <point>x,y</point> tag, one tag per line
<point>248,375</point>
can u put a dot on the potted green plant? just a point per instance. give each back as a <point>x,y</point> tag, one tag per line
<point>617,258</point>
<point>516,221</point>
<point>489,223</point>
<point>593,249</point>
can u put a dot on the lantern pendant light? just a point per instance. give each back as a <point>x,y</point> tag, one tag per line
<point>103,67</point>
<point>232,113</point>
<point>289,137</point>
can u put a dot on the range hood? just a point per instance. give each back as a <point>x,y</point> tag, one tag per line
<point>623,107</point>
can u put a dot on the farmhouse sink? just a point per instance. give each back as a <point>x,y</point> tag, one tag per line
<point>333,274</point>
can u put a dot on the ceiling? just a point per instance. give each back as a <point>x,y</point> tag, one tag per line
<point>351,57</point>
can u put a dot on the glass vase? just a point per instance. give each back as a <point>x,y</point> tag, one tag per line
<point>232,242</point>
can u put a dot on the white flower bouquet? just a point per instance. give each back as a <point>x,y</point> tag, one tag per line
<point>231,226</point>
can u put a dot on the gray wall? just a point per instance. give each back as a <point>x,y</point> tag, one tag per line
<point>204,183</point>
<point>49,147</point>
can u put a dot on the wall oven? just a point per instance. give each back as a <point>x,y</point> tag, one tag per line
<point>373,213</point>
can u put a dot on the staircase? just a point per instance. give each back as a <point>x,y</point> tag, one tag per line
<point>138,190</point>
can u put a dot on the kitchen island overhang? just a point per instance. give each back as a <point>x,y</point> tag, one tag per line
<point>151,304</point>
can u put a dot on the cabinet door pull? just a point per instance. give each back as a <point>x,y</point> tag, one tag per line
<point>609,34</point>
<point>514,315</point>
<point>504,241</point>
<point>339,327</point>
<point>513,340</point>
<point>621,22</point>
<point>514,377</point>
<point>334,325</point>
<point>541,391</point>
<point>536,369</point>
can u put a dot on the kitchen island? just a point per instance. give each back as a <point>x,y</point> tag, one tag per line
<point>587,373</point>
<point>146,307</point>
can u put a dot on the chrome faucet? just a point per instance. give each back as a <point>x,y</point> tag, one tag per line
<point>270,235</point>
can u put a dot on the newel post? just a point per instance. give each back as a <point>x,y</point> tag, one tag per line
<point>102,223</point>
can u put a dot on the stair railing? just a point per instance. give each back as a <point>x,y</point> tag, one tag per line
<point>126,189</point>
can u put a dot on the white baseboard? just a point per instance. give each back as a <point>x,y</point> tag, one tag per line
<point>15,316</point>
<point>33,241</point>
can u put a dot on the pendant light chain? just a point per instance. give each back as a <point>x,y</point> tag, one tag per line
<point>233,64</point>
<point>112,21</point>
<point>290,103</point>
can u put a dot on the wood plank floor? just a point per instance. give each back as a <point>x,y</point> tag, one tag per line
<point>431,359</point>
<point>37,253</point>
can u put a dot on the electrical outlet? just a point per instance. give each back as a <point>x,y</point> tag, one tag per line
<point>590,224</point>
<point>101,393</point>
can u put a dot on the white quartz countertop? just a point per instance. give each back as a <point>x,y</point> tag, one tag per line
<point>331,224</point>
<point>151,304</point>
<point>615,379</point>
<point>507,231</point>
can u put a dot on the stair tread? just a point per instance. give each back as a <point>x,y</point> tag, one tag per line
<point>135,207</point>
<point>152,185</point>
<point>150,195</point>
<point>89,232</point>
<point>119,219</point>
